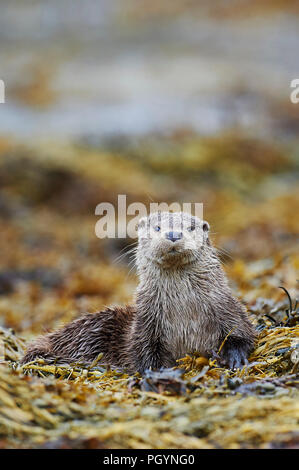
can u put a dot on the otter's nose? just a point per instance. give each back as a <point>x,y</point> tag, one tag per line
<point>174,236</point>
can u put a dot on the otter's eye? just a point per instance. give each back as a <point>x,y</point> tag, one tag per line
<point>190,229</point>
<point>157,228</point>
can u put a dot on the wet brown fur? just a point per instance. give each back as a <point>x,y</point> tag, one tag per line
<point>85,338</point>
<point>182,305</point>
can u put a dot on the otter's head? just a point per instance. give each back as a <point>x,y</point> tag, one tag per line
<point>171,239</point>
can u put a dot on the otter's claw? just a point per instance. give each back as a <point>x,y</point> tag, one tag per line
<point>236,359</point>
<point>234,355</point>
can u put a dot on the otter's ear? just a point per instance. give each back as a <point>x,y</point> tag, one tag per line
<point>205,226</point>
<point>141,223</point>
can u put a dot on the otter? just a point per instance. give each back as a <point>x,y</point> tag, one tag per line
<point>183,304</point>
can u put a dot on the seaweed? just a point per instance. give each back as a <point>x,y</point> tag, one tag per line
<point>54,268</point>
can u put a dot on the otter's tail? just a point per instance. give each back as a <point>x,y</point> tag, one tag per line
<point>41,348</point>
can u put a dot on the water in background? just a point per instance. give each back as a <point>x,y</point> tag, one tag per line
<point>100,68</point>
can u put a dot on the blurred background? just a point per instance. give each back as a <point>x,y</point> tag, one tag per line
<point>175,101</point>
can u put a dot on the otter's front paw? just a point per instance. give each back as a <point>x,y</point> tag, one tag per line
<point>234,354</point>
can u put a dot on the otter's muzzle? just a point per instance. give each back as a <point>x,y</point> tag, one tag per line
<point>174,236</point>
